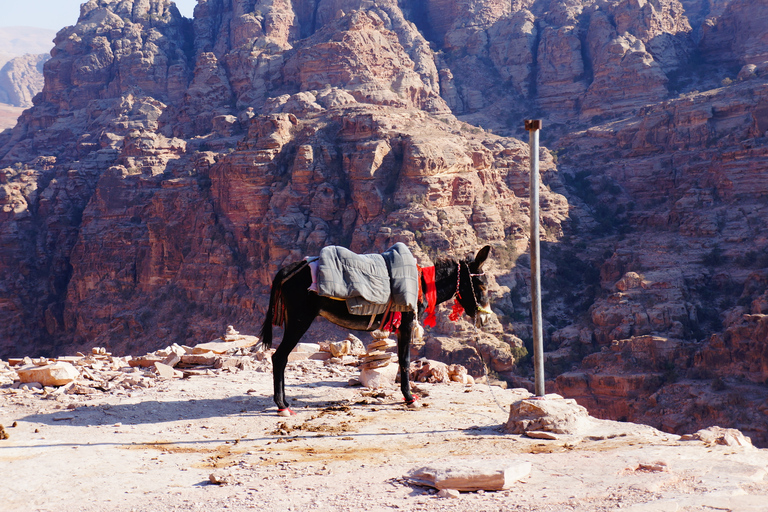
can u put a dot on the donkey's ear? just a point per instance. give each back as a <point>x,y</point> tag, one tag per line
<point>480,258</point>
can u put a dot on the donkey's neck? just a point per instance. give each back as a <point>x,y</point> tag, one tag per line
<point>446,275</point>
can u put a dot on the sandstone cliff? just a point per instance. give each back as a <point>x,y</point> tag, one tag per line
<point>170,166</point>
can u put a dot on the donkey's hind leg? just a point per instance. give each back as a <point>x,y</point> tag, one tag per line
<point>404,356</point>
<point>294,330</point>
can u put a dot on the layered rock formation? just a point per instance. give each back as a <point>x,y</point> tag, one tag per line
<point>180,165</point>
<point>171,166</point>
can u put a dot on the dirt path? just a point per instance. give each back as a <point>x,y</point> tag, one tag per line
<point>346,449</point>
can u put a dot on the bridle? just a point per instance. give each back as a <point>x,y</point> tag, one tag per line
<point>477,307</point>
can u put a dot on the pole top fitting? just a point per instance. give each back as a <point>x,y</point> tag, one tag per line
<point>532,124</point>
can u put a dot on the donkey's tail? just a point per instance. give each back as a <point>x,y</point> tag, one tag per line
<point>274,302</point>
<point>276,310</point>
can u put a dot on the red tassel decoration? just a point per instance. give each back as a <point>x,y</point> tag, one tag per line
<point>456,311</point>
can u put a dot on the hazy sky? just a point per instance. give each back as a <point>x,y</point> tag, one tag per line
<point>55,14</point>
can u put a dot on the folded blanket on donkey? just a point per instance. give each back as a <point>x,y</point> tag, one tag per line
<point>344,274</point>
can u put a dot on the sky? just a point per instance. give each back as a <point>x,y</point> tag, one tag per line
<point>55,14</point>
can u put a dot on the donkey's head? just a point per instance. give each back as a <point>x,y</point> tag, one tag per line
<point>471,287</point>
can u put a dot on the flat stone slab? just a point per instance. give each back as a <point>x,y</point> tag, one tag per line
<point>471,475</point>
<point>222,347</point>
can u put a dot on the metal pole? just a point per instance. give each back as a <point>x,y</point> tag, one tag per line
<point>533,126</point>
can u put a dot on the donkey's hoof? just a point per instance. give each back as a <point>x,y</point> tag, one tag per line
<point>285,412</point>
<point>412,404</point>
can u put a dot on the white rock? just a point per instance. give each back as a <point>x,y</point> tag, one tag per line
<point>448,493</point>
<point>376,378</point>
<point>551,413</point>
<point>719,435</point>
<point>56,374</point>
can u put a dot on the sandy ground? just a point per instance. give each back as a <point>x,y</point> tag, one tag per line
<point>9,115</point>
<point>347,449</point>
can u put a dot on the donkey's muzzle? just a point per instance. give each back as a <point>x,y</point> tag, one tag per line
<point>483,315</point>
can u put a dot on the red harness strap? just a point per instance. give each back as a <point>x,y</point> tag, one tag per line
<point>430,294</point>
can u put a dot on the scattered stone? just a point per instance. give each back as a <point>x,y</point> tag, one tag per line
<point>204,359</point>
<point>3,434</point>
<point>344,361</point>
<point>457,373</point>
<point>471,475</point>
<point>228,363</point>
<point>340,348</point>
<point>56,374</point>
<point>79,389</point>
<point>175,353</point>
<point>449,493</point>
<point>351,346</point>
<point>425,370</point>
<point>653,467</point>
<point>378,334</point>
<point>165,372</point>
<point>147,361</point>
<point>220,478</point>
<point>538,434</point>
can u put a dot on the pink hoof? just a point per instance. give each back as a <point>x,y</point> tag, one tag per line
<point>285,412</point>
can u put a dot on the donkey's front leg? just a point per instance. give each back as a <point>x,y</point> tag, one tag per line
<point>404,356</point>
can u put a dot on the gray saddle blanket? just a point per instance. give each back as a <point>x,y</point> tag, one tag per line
<point>375,278</point>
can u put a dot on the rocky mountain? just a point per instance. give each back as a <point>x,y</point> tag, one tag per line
<point>23,50</point>
<point>21,78</point>
<point>171,166</point>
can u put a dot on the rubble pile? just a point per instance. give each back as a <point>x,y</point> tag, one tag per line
<point>101,371</point>
<point>426,370</point>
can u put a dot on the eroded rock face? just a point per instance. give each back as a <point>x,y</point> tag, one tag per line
<point>186,162</point>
